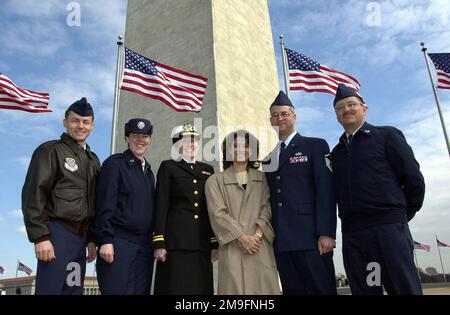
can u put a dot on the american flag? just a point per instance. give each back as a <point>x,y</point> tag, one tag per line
<point>441,244</point>
<point>2,270</point>
<point>442,63</point>
<point>417,245</point>
<point>14,97</point>
<point>180,90</point>
<point>308,75</point>
<point>24,268</point>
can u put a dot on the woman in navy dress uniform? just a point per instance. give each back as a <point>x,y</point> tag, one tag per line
<point>123,225</point>
<point>184,243</point>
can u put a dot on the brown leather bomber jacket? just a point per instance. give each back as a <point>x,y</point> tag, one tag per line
<point>60,184</point>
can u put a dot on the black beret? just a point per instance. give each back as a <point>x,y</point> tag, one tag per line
<point>81,107</point>
<point>138,125</point>
<point>343,91</point>
<point>282,100</point>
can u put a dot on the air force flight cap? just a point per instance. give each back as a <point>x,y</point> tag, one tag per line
<point>81,107</point>
<point>184,130</point>
<point>282,100</point>
<point>138,125</point>
<point>343,91</point>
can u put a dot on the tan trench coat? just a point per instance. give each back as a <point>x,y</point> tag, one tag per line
<point>234,211</point>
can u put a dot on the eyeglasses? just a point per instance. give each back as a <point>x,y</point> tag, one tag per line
<point>282,115</point>
<point>341,107</point>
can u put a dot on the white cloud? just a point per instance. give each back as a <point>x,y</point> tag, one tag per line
<point>404,24</point>
<point>24,161</point>
<point>423,131</point>
<point>1,219</point>
<point>21,230</point>
<point>35,9</point>
<point>34,38</point>
<point>16,213</point>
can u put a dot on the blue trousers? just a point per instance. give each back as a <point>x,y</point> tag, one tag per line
<point>131,270</point>
<point>53,278</point>
<point>306,273</point>
<point>391,247</point>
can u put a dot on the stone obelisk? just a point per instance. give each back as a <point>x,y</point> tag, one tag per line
<point>229,42</point>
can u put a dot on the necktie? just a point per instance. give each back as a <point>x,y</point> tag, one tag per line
<point>282,147</point>
<point>350,137</point>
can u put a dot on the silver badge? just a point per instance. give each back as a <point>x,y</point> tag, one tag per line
<point>71,164</point>
<point>366,131</point>
<point>141,125</point>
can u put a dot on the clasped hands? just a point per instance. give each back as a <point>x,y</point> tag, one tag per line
<point>250,243</point>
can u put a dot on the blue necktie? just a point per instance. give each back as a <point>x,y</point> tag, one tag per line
<point>282,148</point>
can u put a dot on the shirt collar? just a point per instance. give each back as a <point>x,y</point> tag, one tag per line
<point>189,162</point>
<point>289,138</point>
<point>354,132</point>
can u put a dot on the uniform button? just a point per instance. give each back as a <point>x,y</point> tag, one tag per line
<point>196,204</point>
<point>278,190</point>
<point>280,204</point>
<point>196,216</point>
<point>194,181</point>
<point>196,193</point>
<point>278,177</point>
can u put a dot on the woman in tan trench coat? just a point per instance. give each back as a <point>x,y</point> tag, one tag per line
<point>240,215</point>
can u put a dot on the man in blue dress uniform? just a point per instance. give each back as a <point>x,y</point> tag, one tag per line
<point>58,204</point>
<point>379,188</point>
<point>303,206</point>
<point>124,218</point>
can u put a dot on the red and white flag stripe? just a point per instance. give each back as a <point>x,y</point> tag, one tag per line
<point>16,98</point>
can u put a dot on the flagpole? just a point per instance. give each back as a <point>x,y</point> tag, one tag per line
<point>424,49</point>
<point>417,265</point>
<point>17,267</point>
<point>440,258</point>
<point>285,72</point>
<point>116,96</point>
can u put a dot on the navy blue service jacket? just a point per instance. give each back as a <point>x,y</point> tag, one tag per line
<point>377,179</point>
<point>125,200</point>
<point>182,221</point>
<point>301,195</point>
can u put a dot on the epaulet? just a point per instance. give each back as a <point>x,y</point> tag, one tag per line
<point>113,157</point>
<point>389,129</point>
<point>49,144</point>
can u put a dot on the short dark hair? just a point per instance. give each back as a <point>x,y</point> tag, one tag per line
<point>228,147</point>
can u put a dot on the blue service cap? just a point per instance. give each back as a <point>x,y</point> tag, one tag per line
<point>81,107</point>
<point>138,125</point>
<point>282,100</point>
<point>343,91</point>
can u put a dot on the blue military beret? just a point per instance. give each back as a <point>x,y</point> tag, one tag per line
<point>81,107</point>
<point>138,125</point>
<point>343,91</point>
<point>282,100</point>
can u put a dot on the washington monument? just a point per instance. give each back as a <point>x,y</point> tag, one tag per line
<point>229,42</point>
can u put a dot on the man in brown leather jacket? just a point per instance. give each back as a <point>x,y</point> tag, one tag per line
<point>58,203</point>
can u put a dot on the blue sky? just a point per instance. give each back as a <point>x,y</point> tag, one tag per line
<point>41,52</point>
